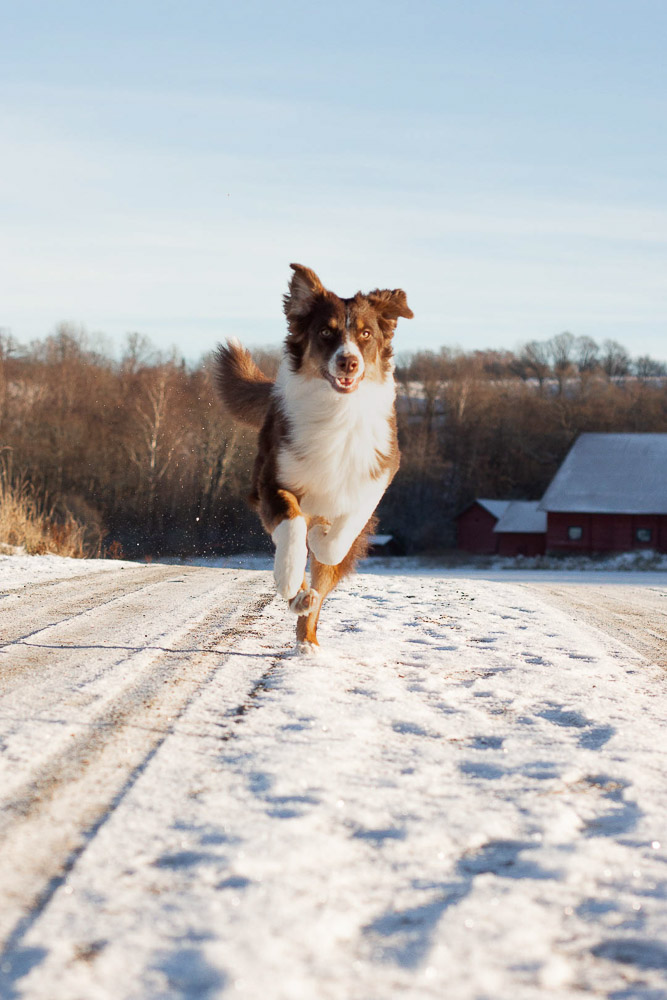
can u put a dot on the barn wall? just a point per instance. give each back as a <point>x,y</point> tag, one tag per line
<point>622,537</point>
<point>475,531</point>
<point>557,539</point>
<point>657,524</point>
<point>662,534</point>
<point>605,532</point>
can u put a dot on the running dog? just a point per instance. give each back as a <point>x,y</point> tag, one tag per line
<point>327,447</point>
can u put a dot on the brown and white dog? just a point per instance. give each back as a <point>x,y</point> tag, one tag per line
<point>327,447</point>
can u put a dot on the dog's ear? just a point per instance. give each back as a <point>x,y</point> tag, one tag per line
<point>304,288</point>
<point>390,304</point>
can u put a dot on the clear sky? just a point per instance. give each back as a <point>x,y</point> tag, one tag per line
<point>504,161</point>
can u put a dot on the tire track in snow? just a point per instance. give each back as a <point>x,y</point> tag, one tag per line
<point>637,616</point>
<point>62,675</point>
<point>54,601</point>
<point>63,798</point>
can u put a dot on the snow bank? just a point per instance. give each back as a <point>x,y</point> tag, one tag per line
<point>22,570</point>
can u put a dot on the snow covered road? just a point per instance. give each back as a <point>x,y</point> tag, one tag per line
<point>634,615</point>
<point>93,670</point>
<point>462,797</point>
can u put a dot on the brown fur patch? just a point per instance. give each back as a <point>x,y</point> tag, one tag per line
<point>272,502</point>
<point>244,389</point>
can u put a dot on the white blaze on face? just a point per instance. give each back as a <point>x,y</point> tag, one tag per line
<point>348,347</point>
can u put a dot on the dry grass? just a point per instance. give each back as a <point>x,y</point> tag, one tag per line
<point>28,523</point>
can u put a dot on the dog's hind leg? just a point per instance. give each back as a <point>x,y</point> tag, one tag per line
<point>323,579</point>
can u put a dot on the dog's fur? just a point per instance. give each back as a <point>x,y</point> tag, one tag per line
<point>327,444</point>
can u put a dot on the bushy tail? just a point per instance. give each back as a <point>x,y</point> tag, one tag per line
<point>245,390</point>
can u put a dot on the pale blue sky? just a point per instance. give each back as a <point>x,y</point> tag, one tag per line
<point>504,162</point>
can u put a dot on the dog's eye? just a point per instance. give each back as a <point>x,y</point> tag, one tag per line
<point>326,333</point>
<point>365,334</point>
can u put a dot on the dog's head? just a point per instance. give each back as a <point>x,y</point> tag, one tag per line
<point>340,340</point>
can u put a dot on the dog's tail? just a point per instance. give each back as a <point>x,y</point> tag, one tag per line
<point>245,390</point>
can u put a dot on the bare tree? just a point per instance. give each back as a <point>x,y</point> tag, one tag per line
<point>535,357</point>
<point>587,354</point>
<point>8,344</point>
<point>139,353</point>
<point>152,449</point>
<point>561,352</point>
<point>615,359</point>
<point>647,367</point>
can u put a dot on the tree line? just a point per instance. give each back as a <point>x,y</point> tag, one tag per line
<point>140,452</point>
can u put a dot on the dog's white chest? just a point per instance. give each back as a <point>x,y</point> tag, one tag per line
<point>331,458</point>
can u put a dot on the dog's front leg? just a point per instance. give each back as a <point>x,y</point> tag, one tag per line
<point>288,529</point>
<point>330,544</point>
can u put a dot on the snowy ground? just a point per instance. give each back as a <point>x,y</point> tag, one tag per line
<point>24,571</point>
<point>463,796</point>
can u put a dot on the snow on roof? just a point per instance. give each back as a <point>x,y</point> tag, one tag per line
<point>611,474</point>
<point>495,507</point>
<point>523,516</point>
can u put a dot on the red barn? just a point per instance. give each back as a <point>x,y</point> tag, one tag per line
<point>609,495</point>
<point>522,529</point>
<point>475,526</point>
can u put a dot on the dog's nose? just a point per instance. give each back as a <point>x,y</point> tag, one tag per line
<point>347,364</point>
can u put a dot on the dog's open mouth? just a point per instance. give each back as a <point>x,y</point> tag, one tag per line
<point>342,383</point>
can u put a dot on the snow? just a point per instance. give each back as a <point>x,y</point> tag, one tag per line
<point>23,570</point>
<point>380,539</point>
<point>612,474</point>
<point>522,516</point>
<point>495,507</point>
<point>637,567</point>
<point>461,796</point>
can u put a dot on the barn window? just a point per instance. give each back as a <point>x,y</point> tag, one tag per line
<point>575,532</point>
<point>644,534</point>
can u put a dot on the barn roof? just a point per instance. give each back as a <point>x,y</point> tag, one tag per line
<point>380,539</point>
<point>611,474</point>
<point>495,507</point>
<point>524,517</point>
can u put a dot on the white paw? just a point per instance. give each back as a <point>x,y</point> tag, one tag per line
<point>304,602</point>
<point>289,566</point>
<point>326,547</point>
<point>306,649</point>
